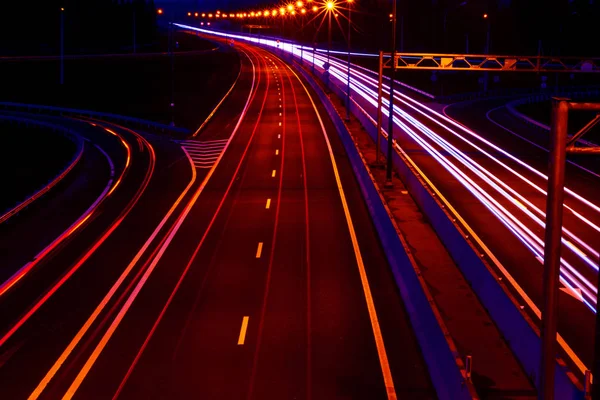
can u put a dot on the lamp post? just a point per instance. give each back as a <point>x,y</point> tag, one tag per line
<point>62,45</point>
<point>348,72</point>
<point>170,43</point>
<point>134,29</point>
<point>388,173</point>
<point>487,51</point>
<point>329,12</point>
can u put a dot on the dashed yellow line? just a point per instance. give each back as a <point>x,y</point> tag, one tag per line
<point>243,330</point>
<point>268,204</point>
<point>259,249</point>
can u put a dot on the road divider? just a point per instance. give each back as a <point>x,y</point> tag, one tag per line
<point>467,250</point>
<point>446,369</point>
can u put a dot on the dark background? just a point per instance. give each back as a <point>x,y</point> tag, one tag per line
<point>91,26</point>
<point>565,27</point>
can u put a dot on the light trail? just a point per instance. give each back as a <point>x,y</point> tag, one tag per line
<point>366,87</point>
<point>532,241</point>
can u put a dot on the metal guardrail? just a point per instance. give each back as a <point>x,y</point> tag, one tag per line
<point>138,122</point>
<point>446,368</point>
<point>518,329</point>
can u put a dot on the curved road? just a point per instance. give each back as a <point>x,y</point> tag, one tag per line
<point>248,268</point>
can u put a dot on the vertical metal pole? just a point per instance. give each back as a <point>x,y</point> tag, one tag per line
<point>328,48</point>
<point>172,44</point>
<point>596,360</point>
<point>487,51</point>
<point>552,246</point>
<point>348,72</point>
<point>313,60</point>
<point>388,174</point>
<point>134,23</point>
<point>596,363</point>
<point>62,46</point>
<point>379,111</point>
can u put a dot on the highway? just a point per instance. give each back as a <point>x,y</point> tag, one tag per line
<point>240,263</point>
<point>495,180</point>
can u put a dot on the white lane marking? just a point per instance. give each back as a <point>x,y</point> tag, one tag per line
<point>381,352</point>
<point>204,153</point>
<point>259,249</point>
<point>117,320</point>
<point>243,329</point>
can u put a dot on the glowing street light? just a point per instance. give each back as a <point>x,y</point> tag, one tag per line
<point>330,5</point>
<point>159,11</point>
<point>299,4</point>
<point>315,8</point>
<point>189,14</point>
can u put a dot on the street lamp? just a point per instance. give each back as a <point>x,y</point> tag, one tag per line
<point>348,72</point>
<point>62,45</point>
<point>330,6</point>
<point>487,51</point>
<point>388,176</point>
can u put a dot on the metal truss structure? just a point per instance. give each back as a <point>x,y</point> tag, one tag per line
<point>496,63</point>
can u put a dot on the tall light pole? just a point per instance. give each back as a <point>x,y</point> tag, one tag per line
<point>170,43</point>
<point>329,5</point>
<point>390,149</point>
<point>62,45</point>
<point>134,29</point>
<point>487,51</point>
<point>348,72</point>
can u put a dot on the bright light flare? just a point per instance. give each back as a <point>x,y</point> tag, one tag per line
<point>330,5</point>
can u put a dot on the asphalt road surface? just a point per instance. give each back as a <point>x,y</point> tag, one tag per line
<point>494,179</point>
<point>241,263</point>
